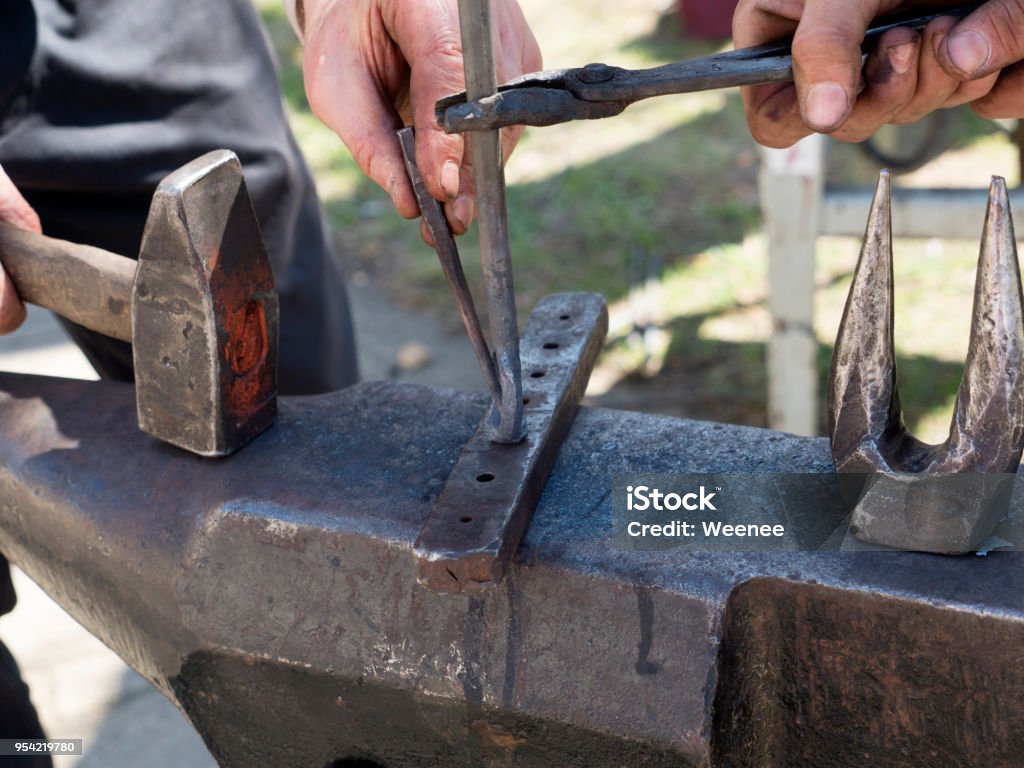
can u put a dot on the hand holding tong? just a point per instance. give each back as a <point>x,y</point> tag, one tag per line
<point>599,90</point>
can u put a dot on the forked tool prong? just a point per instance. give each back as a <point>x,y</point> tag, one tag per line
<point>863,398</point>
<point>946,497</point>
<point>987,432</point>
<point>451,264</point>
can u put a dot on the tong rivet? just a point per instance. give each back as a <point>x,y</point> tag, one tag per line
<point>596,73</point>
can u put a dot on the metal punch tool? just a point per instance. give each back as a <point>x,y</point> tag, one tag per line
<point>468,542</point>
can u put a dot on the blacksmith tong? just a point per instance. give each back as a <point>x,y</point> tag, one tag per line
<point>599,90</point>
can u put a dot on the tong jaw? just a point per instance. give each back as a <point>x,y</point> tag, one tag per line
<point>905,493</point>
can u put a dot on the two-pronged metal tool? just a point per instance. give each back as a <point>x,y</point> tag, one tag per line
<point>905,493</point>
<point>481,515</point>
<point>598,90</point>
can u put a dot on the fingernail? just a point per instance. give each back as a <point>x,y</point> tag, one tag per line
<point>968,50</point>
<point>450,179</point>
<point>901,56</point>
<point>827,105</point>
<point>393,189</point>
<point>463,209</point>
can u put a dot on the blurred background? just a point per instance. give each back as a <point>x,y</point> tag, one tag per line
<point>657,209</point>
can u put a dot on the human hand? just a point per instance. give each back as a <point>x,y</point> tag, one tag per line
<point>14,210</point>
<point>372,66</point>
<point>909,75</point>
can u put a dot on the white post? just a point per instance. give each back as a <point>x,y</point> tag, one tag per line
<point>791,192</point>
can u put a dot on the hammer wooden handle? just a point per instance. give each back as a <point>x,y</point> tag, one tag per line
<point>86,285</point>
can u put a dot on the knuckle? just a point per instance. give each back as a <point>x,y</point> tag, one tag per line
<point>974,90</point>
<point>742,18</point>
<point>439,67</point>
<point>366,155</point>
<point>313,75</point>
<point>316,96</point>
<point>906,118</point>
<point>786,9</point>
<point>985,109</point>
<point>853,134</point>
<point>444,50</point>
<point>988,108</point>
<point>804,45</point>
<point>448,47</point>
<point>770,135</point>
<point>857,136</point>
<point>819,44</point>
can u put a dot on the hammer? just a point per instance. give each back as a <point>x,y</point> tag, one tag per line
<point>199,307</point>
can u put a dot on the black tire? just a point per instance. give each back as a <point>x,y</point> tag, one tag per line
<point>914,145</point>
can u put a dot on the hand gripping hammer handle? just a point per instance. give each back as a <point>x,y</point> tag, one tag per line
<point>86,285</point>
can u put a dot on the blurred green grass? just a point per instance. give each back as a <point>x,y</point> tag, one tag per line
<point>658,210</point>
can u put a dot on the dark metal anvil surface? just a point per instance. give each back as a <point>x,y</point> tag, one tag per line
<point>273,596</point>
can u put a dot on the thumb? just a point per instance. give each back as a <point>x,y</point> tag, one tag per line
<point>986,41</point>
<point>827,59</point>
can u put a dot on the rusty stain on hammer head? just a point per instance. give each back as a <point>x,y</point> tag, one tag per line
<point>205,313</point>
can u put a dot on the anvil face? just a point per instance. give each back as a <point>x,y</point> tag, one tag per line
<point>273,596</point>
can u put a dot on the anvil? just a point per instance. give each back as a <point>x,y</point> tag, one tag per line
<point>273,597</point>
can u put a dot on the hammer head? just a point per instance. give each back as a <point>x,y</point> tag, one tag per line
<point>204,313</point>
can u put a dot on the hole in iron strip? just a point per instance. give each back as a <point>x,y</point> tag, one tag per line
<point>564,317</point>
<point>538,374</point>
<point>485,477</point>
<point>551,345</point>
<point>526,401</point>
<point>466,519</point>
